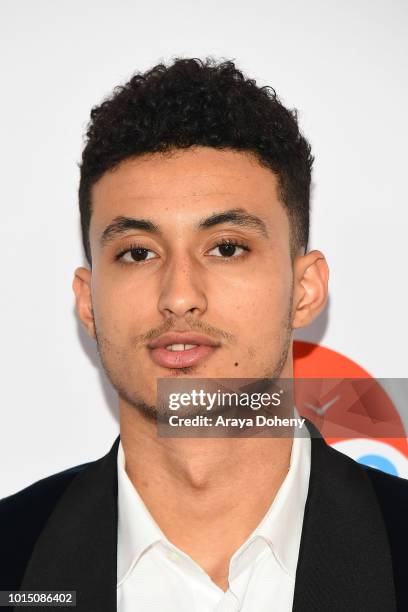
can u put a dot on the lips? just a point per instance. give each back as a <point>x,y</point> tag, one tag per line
<point>181,359</point>
<point>163,357</point>
<point>182,338</point>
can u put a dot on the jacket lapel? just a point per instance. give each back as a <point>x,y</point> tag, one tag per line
<point>344,558</point>
<point>77,549</point>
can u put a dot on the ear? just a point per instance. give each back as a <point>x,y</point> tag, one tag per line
<point>311,276</point>
<point>83,298</point>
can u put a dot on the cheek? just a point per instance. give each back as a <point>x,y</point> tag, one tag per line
<point>258,313</point>
<point>257,299</point>
<point>118,310</point>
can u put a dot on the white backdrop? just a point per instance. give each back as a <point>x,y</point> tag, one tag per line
<point>342,64</point>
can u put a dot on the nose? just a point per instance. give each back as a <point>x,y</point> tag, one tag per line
<point>182,290</point>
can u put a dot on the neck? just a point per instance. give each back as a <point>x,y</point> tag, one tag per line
<point>206,495</point>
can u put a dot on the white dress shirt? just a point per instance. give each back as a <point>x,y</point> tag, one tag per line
<point>155,575</point>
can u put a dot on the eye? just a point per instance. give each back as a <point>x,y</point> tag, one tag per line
<point>135,253</point>
<point>228,249</point>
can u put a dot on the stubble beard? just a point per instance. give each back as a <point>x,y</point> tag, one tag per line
<point>162,412</point>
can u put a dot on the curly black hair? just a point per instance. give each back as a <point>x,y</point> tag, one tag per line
<point>199,102</point>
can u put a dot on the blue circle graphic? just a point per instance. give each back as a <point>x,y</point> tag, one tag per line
<point>378,462</point>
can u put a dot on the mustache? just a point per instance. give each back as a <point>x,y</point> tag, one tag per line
<point>192,326</point>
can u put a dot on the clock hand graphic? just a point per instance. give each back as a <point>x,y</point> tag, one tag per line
<point>320,410</point>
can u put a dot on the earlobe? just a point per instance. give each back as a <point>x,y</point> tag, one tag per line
<point>81,286</point>
<point>311,276</point>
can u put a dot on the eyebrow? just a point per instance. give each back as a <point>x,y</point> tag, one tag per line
<point>235,216</point>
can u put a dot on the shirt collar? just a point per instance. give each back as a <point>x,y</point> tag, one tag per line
<point>137,530</point>
<point>281,527</point>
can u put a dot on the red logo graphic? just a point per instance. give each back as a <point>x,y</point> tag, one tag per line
<point>368,411</point>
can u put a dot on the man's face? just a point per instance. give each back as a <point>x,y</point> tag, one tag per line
<point>181,277</point>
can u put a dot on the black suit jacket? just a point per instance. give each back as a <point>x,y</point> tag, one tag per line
<point>61,534</point>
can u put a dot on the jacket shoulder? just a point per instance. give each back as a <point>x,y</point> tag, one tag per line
<point>392,495</point>
<point>394,488</point>
<point>23,515</point>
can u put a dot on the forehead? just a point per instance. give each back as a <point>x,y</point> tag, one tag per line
<point>181,186</point>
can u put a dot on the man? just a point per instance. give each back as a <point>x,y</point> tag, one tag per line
<point>194,202</point>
